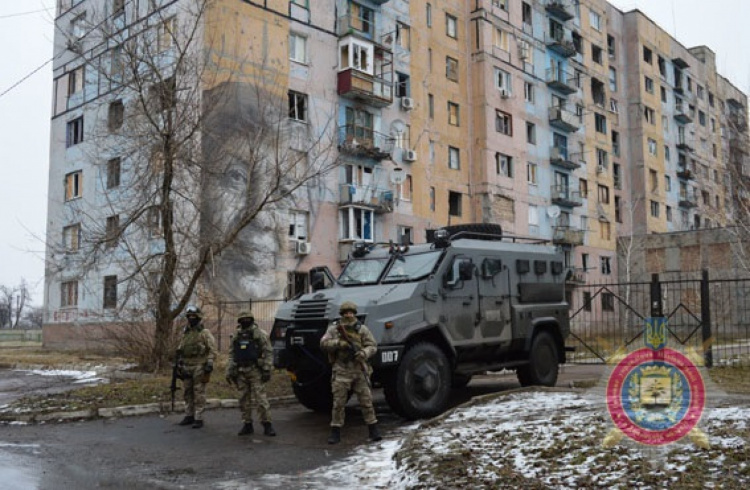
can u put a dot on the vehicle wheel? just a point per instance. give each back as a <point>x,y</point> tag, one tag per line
<point>544,362</point>
<point>460,381</point>
<point>315,395</point>
<point>420,386</point>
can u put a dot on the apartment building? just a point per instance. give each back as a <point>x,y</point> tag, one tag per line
<point>564,120</point>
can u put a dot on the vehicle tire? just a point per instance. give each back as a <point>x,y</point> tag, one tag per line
<point>484,231</point>
<point>544,362</point>
<point>460,381</point>
<point>315,395</point>
<point>420,386</point>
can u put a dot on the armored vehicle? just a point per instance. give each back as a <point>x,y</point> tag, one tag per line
<point>465,303</point>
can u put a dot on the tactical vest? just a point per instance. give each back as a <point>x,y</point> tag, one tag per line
<point>245,352</point>
<point>353,332</point>
<point>193,346</point>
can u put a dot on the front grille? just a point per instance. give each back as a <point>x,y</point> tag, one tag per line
<point>312,309</point>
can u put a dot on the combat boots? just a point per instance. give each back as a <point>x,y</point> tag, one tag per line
<point>268,429</point>
<point>197,424</point>
<point>246,430</point>
<point>374,432</point>
<point>335,436</point>
<point>188,420</point>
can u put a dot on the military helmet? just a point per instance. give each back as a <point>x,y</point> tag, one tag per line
<point>246,314</point>
<point>193,310</point>
<point>347,306</point>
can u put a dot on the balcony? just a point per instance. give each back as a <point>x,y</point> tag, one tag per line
<point>680,62</point>
<point>362,141</point>
<point>560,157</point>
<point>561,81</point>
<point>563,195</point>
<point>561,43</point>
<point>685,173</point>
<point>682,116</point>
<point>564,120</point>
<point>687,201</point>
<point>379,199</point>
<point>683,145</point>
<point>567,235</point>
<point>559,9</point>
<point>577,276</point>
<point>361,87</point>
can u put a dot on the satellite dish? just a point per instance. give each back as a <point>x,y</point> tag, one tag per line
<point>553,211</point>
<point>398,176</point>
<point>398,126</point>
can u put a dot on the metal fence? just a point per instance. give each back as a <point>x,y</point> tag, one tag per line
<point>223,320</point>
<point>710,317</point>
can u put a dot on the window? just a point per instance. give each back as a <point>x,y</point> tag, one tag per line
<point>605,230</point>
<point>403,88</point>
<point>115,115</point>
<point>595,20</point>
<point>75,80</point>
<point>533,218</point>
<point>431,105</point>
<point>454,203</point>
<point>531,173</point>
<point>667,183</point>
<point>526,13</point>
<point>405,189</point>
<point>451,68</point>
<point>618,209</point>
<point>504,165</point>
<point>665,123</point>
<point>652,147</point>
<point>702,118</point>
<point>616,176</point>
<point>113,173</point>
<point>110,291</point>
<point>616,143</point>
<point>602,158</point>
<point>503,123</point>
<point>163,94</point>
<point>500,39</point>
<point>72,238</point>
<point>453,114</point>
<point>608,302</point>
<point>432,152</point>
<point>531,133</point>
<point>699,92</point>
<point>600,122</point>
<point>297,106</point>
<point>165,36</point>
<point>432,199</point>
<point>583,188</point>
<point>611,46</point>
<point>668,213</point>
<point>649,84</point>
<point>428,15</point>
<point>298,225</point>
<point>503,81</point>
<point>73,185</point>
<point>69,294</point>
<point>362,18</point>
<point>603,194</point>
<point>612,79</point>
<point>654,209</point>
<point>662,66</point>
<point>647,55</point>
<point>605,263</point>
<point>357,224</point>
<point>112,230</point>
<point>663,91</point>
<point>711,99</point>
<point>301,3</point>
<point>451,26</point>
<point>649,115</point>
<point>596,53</point>
<point>78,28</point>
<point>116,65</point>
<point>586,301</point>
<point>74,132</point>
<point>153,222</point>
<point>403,36</point>
<point>297,48</point>
<point>454,158</point>
<point>503,4</point>
<point>528,92</point>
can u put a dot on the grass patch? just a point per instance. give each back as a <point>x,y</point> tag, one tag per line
<point>731,379</point>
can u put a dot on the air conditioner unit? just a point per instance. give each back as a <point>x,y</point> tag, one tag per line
<point>600,169</point>
<point>410,156</point>
<point>303,248</point>
<point>504,94</point>
<point>407,103</point>
<point>523,50</point>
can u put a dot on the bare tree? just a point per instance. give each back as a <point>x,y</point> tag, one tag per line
<point>208,157</point>
<point>13,304</point>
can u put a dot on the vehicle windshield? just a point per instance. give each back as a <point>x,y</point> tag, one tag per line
<point>360,271</point>
<point>409,267</point>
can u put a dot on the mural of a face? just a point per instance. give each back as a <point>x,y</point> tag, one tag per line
<point>233,183</point>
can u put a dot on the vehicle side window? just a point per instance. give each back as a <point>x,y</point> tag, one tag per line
<point>491,267</point>
<point>459,268</point>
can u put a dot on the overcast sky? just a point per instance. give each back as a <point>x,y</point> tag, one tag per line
<point>26,44</point>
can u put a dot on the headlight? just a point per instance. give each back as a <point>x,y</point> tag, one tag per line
<point>278,332</point>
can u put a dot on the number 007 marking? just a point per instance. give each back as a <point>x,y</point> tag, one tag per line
<point>389,356</point>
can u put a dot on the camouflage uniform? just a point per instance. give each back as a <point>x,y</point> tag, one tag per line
<point>249,367</point>
<point>198,351</point>
<point>351,371</point>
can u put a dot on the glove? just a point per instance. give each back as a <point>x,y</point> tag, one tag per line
<point>265,376</point>
<point>209,367</point>
<point>343,344</point>
<point>360,356</point>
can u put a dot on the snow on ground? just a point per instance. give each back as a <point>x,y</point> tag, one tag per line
<point>531,439</point>
<point>76,376</point>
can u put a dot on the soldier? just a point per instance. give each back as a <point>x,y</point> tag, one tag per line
<point>350,344</point>
<point>249,368</point>
<point>197,352</point>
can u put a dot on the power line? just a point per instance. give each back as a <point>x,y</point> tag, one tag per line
<point>26,13</point>
<point>26,77</point>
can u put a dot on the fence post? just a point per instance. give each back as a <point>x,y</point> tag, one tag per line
<point>218,333</point>
<point>656,303</point>
<point>706,319</point>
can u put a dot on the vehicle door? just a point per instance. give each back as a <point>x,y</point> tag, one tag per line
<point>494,299</point>
<point>459,297</point>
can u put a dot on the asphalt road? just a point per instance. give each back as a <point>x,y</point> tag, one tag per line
<point>153,452</point>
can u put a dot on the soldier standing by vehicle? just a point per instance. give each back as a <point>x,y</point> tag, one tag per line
<point>197,350</point>
<point>249,368</point>
<point>350,344</point>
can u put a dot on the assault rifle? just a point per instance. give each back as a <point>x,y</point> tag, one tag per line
<point>175,375</point>
<point>354,350</point>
